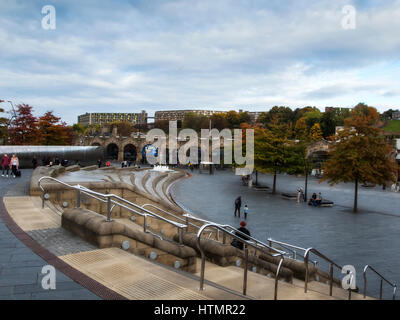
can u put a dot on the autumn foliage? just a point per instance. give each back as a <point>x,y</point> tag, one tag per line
<point>26,129</point>
<point>360,153</point>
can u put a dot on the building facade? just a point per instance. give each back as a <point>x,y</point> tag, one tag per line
<point>179,115</point>
<point>104,118</point>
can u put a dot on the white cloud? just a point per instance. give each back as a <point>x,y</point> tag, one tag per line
<point>160,54</point>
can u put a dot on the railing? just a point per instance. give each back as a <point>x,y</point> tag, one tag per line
<point>254,243</point>
<point>331,265</point>
<point>186,221</point>
<point>108,198</point>
<point>290,248</point>
<point>393,285</point>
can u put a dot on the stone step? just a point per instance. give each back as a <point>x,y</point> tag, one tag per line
<point>261,287</point>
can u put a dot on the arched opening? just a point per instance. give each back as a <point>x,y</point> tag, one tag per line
<point>130,153</point>
<point>112,151</point>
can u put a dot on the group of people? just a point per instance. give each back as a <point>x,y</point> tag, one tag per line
<point>235,242</point>
<point>238,205</point>
<point>8,164</point>
<point>315,199</point>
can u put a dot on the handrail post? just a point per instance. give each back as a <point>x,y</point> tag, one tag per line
<point>380,290</point>
<point>43,200</point>
<point>277,278</point>
<point>180,234</point>
<point>108,209</point>
<point>187,224</point>
<point>246,260</point>
<point>394,292</point>
<point>224,238</point>
<point>78,198</point>
<point>330,279</point>
<point>365,281</point>
<point>306,275</point>
<point>144,223</point>
<point>217,235</point>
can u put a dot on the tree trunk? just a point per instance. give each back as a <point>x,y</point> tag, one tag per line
<point>355,195</point>
<point>274,185</point>
<point>305,187</point>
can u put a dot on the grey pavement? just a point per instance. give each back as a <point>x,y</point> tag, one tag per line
<point>368,237</point>
<point>20,268</point>
<point>60,241</point>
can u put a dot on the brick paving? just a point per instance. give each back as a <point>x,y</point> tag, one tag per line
<point>60,241</point>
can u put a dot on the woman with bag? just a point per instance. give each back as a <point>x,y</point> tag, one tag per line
<point>14,165</point>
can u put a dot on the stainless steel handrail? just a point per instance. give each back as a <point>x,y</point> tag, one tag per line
<point>331,265</point>
<point>393,285</point>
<point>108,199</point>
<point>291,248</point>
<point>246,244</point>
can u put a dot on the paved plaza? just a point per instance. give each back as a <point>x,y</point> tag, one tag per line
<point>368,237</point>
<point>20,268</point>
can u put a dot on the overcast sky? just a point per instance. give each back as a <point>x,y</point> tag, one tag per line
<point>125,56</point>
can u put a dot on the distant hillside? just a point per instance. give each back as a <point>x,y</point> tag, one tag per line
<point>392,125</point>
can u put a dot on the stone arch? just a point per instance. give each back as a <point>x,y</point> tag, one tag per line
<point>112,151</point>
<point>130,152</point>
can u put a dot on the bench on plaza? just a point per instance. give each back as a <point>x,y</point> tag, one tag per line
<point>289,196</point>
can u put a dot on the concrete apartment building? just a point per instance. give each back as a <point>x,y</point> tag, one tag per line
<point>179,115</point>
<point>104,118</point>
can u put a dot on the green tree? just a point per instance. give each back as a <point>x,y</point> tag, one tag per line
<point>360,153</point>
<point>273,152</point>
<point>316,132</point>
<point>284,115</point>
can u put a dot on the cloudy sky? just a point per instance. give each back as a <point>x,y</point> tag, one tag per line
<point>125,56</point>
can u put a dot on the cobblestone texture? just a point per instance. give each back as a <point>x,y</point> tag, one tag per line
<point>60,241</point>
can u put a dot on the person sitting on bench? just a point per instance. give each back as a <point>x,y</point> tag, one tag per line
<point>313,199</point>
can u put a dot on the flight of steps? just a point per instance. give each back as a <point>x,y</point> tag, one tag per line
<point>29,215</point>
<point>261,287</point>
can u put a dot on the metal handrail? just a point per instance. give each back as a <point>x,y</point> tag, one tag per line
<point>291,248</point>
<point>246,245</point>
<point>393,285</point>
<point>108,199</point>
<point>187,222</point>
<point>331,265</point>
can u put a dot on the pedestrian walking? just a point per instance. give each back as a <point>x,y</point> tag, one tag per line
<point>236,243</point>
<point>14,165</point>
<point>238,204</point>
<point>246,211</point>
<point>5,164</point>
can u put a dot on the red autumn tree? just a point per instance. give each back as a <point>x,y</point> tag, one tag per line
<point>24,128</point>
<point>52,131</point>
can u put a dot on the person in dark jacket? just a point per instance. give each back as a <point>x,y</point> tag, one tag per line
<point>5,164</point>
<point>236,243</point>
<point>34,162</point>
<point>238,204</point>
